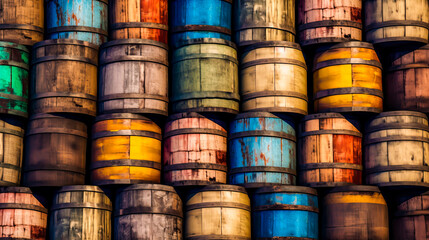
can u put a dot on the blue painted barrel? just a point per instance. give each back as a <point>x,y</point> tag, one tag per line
<point>84,20</point>
<point>285,212</point>
<point>262,150</point>
<point>200,19</point>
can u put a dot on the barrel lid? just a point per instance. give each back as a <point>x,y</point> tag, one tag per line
<point>223,187</point>
<point>206,41</point>
<point>401,113</point>
<point>322,116</point>
<point>148,187</point>
<point>287,189</point>
<point>120,116</point>
<point>14,45</point>
<point>15,190</point>
<point>272,44</point>
<point>65,42</point>
<point>80,188</point>
<point>355,188</point>
<point>350,44</point>
<point>134,42</point>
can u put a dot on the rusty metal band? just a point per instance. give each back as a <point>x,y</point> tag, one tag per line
<point>348,90</point>
<point>133,110</point>
<point>346,61</point>
<point>64,58</point>
<point>77,29</point>
<point>217,237</point>
<point>119,182</point>
<point>33,131</point>
<point>326,40</point>
<point>193,41</point>
<point>407,66</point>
<point>16,46</point>
<point>396,23</point>
<point>97,206</point>
<point>186,166</point>
<point>128,132</point>
<point>273,61</point>
<point>134,58</point>
<point>204,28</point>
<point>148,210</point>
<point>206,56</point>
<point>15,64</point>
<point>286,189</point>
<point>352,109</point>
<point>15,189</point>
<point>268,25</point>
<point>8,183</point>
<point>13,97</point>
<point>330,23</point>
<point>57,167</point>
<point>313,166</point>
<point>350,44</point>
<point>255,115</point>
<point>272,44</point>
<point>262,133</point>
<point>14,112</point>
<point>195,131</point>
<point>285,238</point>
<point>390,126</point>
<point>262,169</point>
<point>64,94</point>
<point>133,41</point>
<point>193,183</point>
<point>331,131</point>
<point>222,110</point>
<point>411,213</point>
<point>368,141</point>
<point>80,188</point>
<point>396,168</point>
<point>280,110</point>
<point>125,162</point>
<point>21,27</point>
<point>398,39</point>
<point>23,206</point>
<point>119,96</point>
<point>10,166</point>
<point>260,94</point>
<point>56,42</point>
<point>116,26</point>
<point>402,113</point>
<point>224,187</point>
<point>206,94</point>
<point>218,205</point>
<point>285,207</point>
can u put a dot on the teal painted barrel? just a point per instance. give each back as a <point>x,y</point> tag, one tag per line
<point>262,150</point>
<point>84,20</point>
<point>14,79</point>
<point>285,212</point>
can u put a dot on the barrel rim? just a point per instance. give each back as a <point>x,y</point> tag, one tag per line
<point>324,116</point>
<point>53,115</point>
<point>222,187</point>
<point>401,113</point>
<point>111,116</point>
<point>194,41</point>
<point>65,42</point>
<point>257,114</point>
<point>177,116</point>
<point>148,186</point>
<point>271,44</point>
<point>133,41</point>
<point>355,188</point>
<point>7,44</point>
<point>286,189</point>
<point>348,44</point>
<point>15,189</point>
<point>80,188</point>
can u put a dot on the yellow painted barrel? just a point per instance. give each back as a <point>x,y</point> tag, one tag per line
<point>347,78</point>
<point>126,149</point>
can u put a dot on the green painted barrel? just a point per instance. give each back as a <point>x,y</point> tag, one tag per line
<point>14,77</point>
<point>205,76</point>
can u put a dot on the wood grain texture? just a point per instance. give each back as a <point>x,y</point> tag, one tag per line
<point>133,77</point>
<point>331,150</point>
<point>195,149</point>
<point>273,78</point>
<point>148,212</point>
<point>139,19</point>
<point>64,77</point>
<point>22,21</point>
<point>55,151</point>
<point>80,212</point>
<point>11,151</point>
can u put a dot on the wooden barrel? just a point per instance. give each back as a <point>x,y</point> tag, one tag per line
<point>329,21</point>
<point>411,218</point>
<point>218,211</point>
<point>347,78</point>
<point>274,78</point>
<point>262,150</point>
<point>354,212</point>
<point>126,149</point>
<point>331,150</point>
<point>193,19</point>
<point>136,19</point>
<point>23,216</point>
<point>396,22</point>
<point>55,151</point>
<point>14,69</point>
<point>64,77</point>
<point>145,90</point>
<point>79,20</point>
<point>194,150</point>
<point>395,149</point>
<point>259,20</point>
<point>154,212</point>
<point>22,21</point>
<point>406,84</point>
<point>285,212</point>
<point>205,77</point>
<point>80,212</point>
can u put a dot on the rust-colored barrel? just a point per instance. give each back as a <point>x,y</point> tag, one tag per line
<point>55,151</point>
<point>194,150</point>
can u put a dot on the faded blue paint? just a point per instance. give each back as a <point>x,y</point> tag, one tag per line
<point>82,13</point>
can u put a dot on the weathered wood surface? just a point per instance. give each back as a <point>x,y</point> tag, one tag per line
<point>261,20</point>
<point>396,149</point>
<point>218,211</point>
<point>64,77</point>
<point>330,153</point>
<point>406,84</point>
<point>327,21</point>
<point>11,151</point>
<point>148,212</point>
<point>55,151</point>
<point>80,212</point>
<point>396,22</point>
<point>205,77</point>
<point>22,21</point>
<point>354,212</point>
<point>273,78</point>
<point>22,215</point>
<point>347,78</point>
<point>262,150</point>
<point>133,77</point>
<point>139,19</point>
<point>126,149</point>
<point>285,212</point>
<point>195,150</point>
<point>84,20</point>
